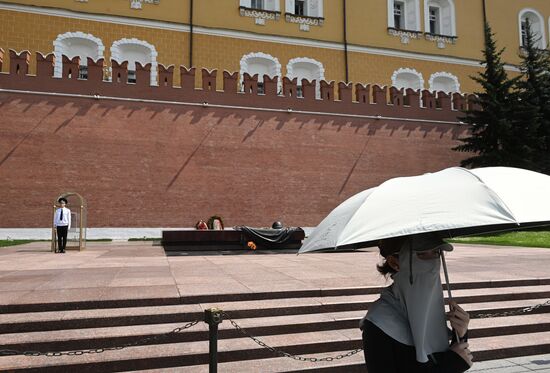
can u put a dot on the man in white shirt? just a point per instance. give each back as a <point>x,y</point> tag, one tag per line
<point>62,223</point>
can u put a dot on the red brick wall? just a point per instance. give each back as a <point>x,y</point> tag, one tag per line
<point>151,165</point>
<point>144,164</point>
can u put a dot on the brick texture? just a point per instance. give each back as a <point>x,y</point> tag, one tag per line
<point>142,164</point>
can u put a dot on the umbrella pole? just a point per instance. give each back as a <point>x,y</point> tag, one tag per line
<point>448,286</point>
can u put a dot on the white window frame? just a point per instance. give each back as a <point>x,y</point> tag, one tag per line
<point>244,67</point>
<point>408,71</point>
<point>443,74</point>
<point>290,72</point>
<point>248,4</point>
<point>58,49</point>
<point>406,15</point>
<point>291,9</point>
<point>437,3</point>
<point>542,31</point>
<point>116,54</point>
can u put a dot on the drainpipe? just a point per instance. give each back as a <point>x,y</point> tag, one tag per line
<point>190,34</point>
<point>485,22</point>
<point>346,41</point>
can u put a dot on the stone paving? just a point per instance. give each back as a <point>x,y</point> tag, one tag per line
<point>125,270</point>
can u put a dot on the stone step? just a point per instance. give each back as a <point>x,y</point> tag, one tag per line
<point>319,344</point>
<point>318,325</point>
<point>64,340</point>
<point>211,298</point>
<point>17,323</point>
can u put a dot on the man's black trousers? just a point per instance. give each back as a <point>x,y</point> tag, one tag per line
<point>62,238</point>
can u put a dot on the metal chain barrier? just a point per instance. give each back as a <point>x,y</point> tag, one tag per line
<point>99,350</point>
<point>215,316</point>
<point>514,312</point>
<point>286,354</point>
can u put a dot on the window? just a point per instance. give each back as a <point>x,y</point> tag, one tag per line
<point>398,15</point>
<point>261,64</point>
<point>536,22</point>
<point>300,7</point>
<point>306,68</point>
<point>270,5</point>
<point>439,16</point>
<point>308,8</point>
<point>134,50</point>
<point>523,32</point>
<point>434,20</point>
<point>257,4</point>
<point>73,44</point>
<point>407,78</point>
<point>445,82</point>
<point>132,76</point>
<point>404,14</point>
<point>82,72</point>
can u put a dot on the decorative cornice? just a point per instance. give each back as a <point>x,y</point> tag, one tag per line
<point>440,40</point>
<point>405,35</point>
<point>260,15</point>
<point>310,21</point>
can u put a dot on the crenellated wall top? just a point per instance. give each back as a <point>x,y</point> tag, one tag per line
<point>99,81</point>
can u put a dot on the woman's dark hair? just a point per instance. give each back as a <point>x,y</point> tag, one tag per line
<point>389,247</point>
<point>385,268</point>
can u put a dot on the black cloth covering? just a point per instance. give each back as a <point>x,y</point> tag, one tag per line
<point>269,235</point>
<point>384,354</point>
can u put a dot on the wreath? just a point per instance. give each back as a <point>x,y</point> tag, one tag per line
<point>211,221</point>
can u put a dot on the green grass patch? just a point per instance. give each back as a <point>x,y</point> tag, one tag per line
<point>4,243</point>
<point>524,238</point>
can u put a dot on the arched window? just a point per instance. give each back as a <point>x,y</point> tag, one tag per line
<point>404,14</point>
<point>407,78</point>
<point>439,17</point>
<point>309,8</point>
<point>536,21</point>
<point>134,50</point>
<point>261,64</point>
<point>73,44</point>
<point>446,82</point>
<point>306,68</point>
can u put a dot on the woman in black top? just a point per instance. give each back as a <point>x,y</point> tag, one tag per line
<point>405,330</point>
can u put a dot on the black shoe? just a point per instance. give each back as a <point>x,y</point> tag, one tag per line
<point>63,252</point>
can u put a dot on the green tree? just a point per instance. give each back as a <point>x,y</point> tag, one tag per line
<point>532,116</point>
<point>490,116</point>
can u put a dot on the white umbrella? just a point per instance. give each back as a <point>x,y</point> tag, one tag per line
<point>455,201</point>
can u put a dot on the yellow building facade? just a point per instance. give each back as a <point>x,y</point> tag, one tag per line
<point>427,44</point>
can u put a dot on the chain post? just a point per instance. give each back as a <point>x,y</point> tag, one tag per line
<point>213,317</point>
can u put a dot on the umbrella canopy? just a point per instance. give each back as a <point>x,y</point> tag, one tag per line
<point>454,202</point>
